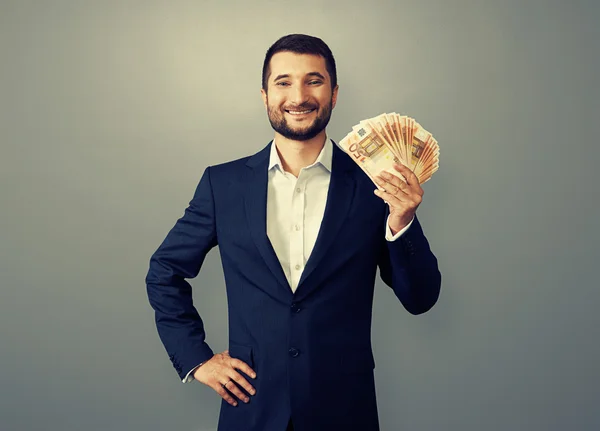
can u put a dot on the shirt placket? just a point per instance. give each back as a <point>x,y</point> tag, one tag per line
<point>297,231</point>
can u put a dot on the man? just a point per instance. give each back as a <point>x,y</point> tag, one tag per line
<point>301,234</point>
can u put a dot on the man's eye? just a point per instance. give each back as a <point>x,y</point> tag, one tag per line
<point>315,82</point>
<point>282,84</point>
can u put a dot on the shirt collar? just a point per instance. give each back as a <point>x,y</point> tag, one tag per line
<point>324,158</point>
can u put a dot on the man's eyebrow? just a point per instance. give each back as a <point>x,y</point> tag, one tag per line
<point>286,75</point>
<point>317,74</point>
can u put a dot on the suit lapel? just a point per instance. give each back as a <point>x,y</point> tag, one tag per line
<point>339,201</point>
<point>255,198</point>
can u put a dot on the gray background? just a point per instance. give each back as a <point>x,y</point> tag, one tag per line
<point>110,111</point>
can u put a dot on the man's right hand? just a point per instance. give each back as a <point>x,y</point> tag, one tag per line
<point>220,373</point>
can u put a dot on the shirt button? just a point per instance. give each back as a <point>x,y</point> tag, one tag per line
<point>298,190</point>
<point>297,267</point>
<point>297,227</point>
<point>294,352</point>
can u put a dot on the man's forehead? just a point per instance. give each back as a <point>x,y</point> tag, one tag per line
<point>291,63</point>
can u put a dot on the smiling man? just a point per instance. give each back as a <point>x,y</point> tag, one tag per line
<point>302,92</point>
<point>301,235</point>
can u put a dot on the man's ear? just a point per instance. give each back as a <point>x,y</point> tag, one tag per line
<point>334,96</point>
<point>263,94</point>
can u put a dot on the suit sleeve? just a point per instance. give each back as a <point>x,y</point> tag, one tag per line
<point>410,268</point>
<point>180,256</point>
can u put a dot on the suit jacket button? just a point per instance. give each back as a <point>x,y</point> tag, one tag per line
<point>295,307</point>
<point>294,352</point>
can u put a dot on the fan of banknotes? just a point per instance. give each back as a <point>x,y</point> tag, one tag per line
<point>377,143</point>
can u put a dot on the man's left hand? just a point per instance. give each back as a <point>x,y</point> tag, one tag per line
<point>403,197</point>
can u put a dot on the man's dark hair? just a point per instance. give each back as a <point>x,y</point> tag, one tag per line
<point>301,44</point>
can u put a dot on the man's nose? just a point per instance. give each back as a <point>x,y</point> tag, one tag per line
<point>299,95</point>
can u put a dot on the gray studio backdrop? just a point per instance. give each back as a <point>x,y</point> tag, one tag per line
<point>111,111</point>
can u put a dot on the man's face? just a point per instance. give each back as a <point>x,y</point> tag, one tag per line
<point>299,100</point>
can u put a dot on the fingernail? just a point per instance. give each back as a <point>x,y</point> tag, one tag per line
<point>253,376</point>
<point>246,400</point>
<point>252,391</point>
<point>234,404</point>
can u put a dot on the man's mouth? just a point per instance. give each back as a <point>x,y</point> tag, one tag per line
<point>304,112</point>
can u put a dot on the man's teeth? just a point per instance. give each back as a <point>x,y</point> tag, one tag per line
<point>300,112</point>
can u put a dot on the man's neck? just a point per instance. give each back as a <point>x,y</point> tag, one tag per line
<point>295,155</point>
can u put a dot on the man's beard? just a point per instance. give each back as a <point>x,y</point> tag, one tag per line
<point>281,126</point>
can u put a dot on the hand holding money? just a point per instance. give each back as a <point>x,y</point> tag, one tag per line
<point>403,197</point>
<point>398,155</point>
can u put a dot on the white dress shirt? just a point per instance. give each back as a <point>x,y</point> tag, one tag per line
<point>295,208</point>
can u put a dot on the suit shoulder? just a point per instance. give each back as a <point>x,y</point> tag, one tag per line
<point>235,168</point>
<point>230,167</point>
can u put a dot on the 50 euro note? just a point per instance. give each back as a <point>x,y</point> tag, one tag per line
<point>419,144</point>
<point>370,152</point>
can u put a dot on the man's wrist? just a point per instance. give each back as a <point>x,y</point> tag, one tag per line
<point>390,235</point>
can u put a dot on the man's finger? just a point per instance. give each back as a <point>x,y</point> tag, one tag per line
<point>393,186</point>
<point>240,380</point>
<point>410,176</point>
<point>391,199</point>
<point>219,389</point>
<point>242,366</point>
<point>401,184</point>
<point>397,180</point>
<point>235,389</point>
<point>244,384</point>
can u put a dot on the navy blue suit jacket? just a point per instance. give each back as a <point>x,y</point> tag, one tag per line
<point>311,349</point>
